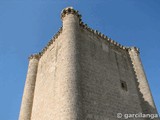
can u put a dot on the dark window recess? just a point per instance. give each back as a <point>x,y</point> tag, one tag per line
<point>124,85</point>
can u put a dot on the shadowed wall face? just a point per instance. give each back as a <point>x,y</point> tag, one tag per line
<point>108,81</point>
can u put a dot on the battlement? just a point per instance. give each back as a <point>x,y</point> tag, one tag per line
<point>134,49</point>
<point>34,56</point>
<point>71,10</point>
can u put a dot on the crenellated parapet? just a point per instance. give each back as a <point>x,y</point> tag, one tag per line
<point>101,35</point>
<point>135,49</point>
<point>68,11</point>
<point>38,55</point>
<point>50,43</point>
<point>34,56</point>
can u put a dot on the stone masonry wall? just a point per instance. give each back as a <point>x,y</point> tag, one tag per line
<point>28,94</point>
<point>55,96</point>
<point>103,67</point>
<point>83,75</point>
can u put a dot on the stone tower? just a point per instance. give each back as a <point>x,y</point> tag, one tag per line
<point>83,75</point>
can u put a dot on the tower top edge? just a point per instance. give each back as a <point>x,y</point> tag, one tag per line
<point>70,10</point>
<point>34,56</point>
<point>133,48</point>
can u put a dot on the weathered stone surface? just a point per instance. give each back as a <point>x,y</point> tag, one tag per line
<point>27,101</point>
<point>84,75</point>
<point>147,102</point>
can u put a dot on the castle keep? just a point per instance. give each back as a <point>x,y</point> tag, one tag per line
<point>83,75</point>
